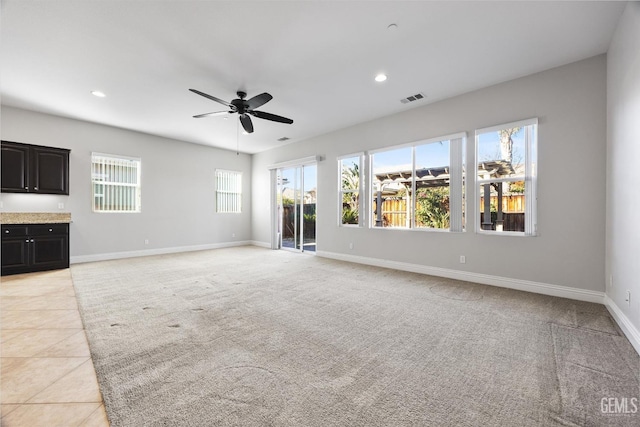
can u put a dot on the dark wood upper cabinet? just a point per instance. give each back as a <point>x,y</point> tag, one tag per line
<point>15,170</point>
<point>50,170</point>
<point>34,169</point>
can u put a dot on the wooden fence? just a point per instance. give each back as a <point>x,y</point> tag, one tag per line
<point>513,203</point>
<point>309,218</point>
<point>394,212</point>
<point>512,221</point>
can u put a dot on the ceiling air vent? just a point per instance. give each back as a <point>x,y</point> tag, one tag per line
<point>284,138</point>
<point>416,97</point>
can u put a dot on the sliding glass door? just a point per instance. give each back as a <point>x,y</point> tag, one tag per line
<point>296,199</point>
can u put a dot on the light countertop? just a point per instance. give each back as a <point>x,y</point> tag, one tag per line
<point>35,217</point>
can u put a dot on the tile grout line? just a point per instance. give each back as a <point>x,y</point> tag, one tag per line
<point>47,348</point>
<point>91,414</point>
<point>64,339</point>
<point>55,381</point>
<point>58,380</point>
<point>16,307</point>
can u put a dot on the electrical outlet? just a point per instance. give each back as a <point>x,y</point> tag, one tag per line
<point>611,281</point>
<point>350,245</point>
<point>628,299</point>
<point>146,241</point>
<point>233,235</point>
<point>61,205</point>
<point>463,259</point>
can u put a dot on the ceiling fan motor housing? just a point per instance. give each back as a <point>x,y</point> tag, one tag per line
<point>240,105</point>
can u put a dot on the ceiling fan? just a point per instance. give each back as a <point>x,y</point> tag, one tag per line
<point>245,108</point>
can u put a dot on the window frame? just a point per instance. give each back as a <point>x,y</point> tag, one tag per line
<point>361,187</point>
<point>137,186</point>
<point>457,148</point>
<point>530,178</point>
<point>235,207</point>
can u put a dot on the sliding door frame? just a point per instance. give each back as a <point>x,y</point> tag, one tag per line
<point>276,238</point>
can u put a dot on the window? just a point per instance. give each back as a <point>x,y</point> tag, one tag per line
<point>228,191</point>
<point>432,195</point>
<point>506,178</point>
<point>420,185</point>
<point>116,183</point>
<point>350,185</point>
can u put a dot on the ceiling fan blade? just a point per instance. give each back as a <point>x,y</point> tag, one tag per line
<point>213,98</point>
<point>246,123</point>
<point>259,100</point>
<point>269,116</point>
<point>216,113</point>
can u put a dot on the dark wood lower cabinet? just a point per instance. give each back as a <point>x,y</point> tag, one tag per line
<point>34,247</point>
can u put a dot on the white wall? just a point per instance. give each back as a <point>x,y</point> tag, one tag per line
<point>623,153</point>
<point>569,251</point>
<point>178,194</point>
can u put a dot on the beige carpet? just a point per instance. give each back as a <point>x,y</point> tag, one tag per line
<point>253,337</point>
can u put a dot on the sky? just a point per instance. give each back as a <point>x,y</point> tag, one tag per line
<point>310,177</point>
<point>436,154</point>
<point>431,155</point>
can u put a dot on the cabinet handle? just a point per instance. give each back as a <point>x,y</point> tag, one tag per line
<point>35,188</point>
<point>31,240</point>
<point>26,188</point>
<point>27,240</point>
<point>50,230</point>
<point>6,231</point>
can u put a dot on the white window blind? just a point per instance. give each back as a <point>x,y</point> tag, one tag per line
<point>228,191</point>
<point>116,183</point>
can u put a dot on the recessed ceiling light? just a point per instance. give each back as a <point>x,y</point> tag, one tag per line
<point>381,77</point>
<point>98,93</point>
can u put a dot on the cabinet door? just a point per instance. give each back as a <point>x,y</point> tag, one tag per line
<point>15,255</point>
<point>49,170</point>
<point>15,170</point>
<point>49,252</point>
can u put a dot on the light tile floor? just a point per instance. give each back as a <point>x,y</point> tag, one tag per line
<point>46,376</point>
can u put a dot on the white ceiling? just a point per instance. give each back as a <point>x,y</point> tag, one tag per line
<point>317,58</point>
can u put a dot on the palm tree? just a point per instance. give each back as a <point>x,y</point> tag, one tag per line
<point>350,181</point>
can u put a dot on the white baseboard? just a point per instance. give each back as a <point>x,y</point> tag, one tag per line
<point>160,251</point>
<point>261,244</point>
<point>485,279</point>
<point>625,324</point>
<point>632,333</point>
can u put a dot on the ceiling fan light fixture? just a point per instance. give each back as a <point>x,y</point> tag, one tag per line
<point>381,77</point>
<point>98,93</point>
